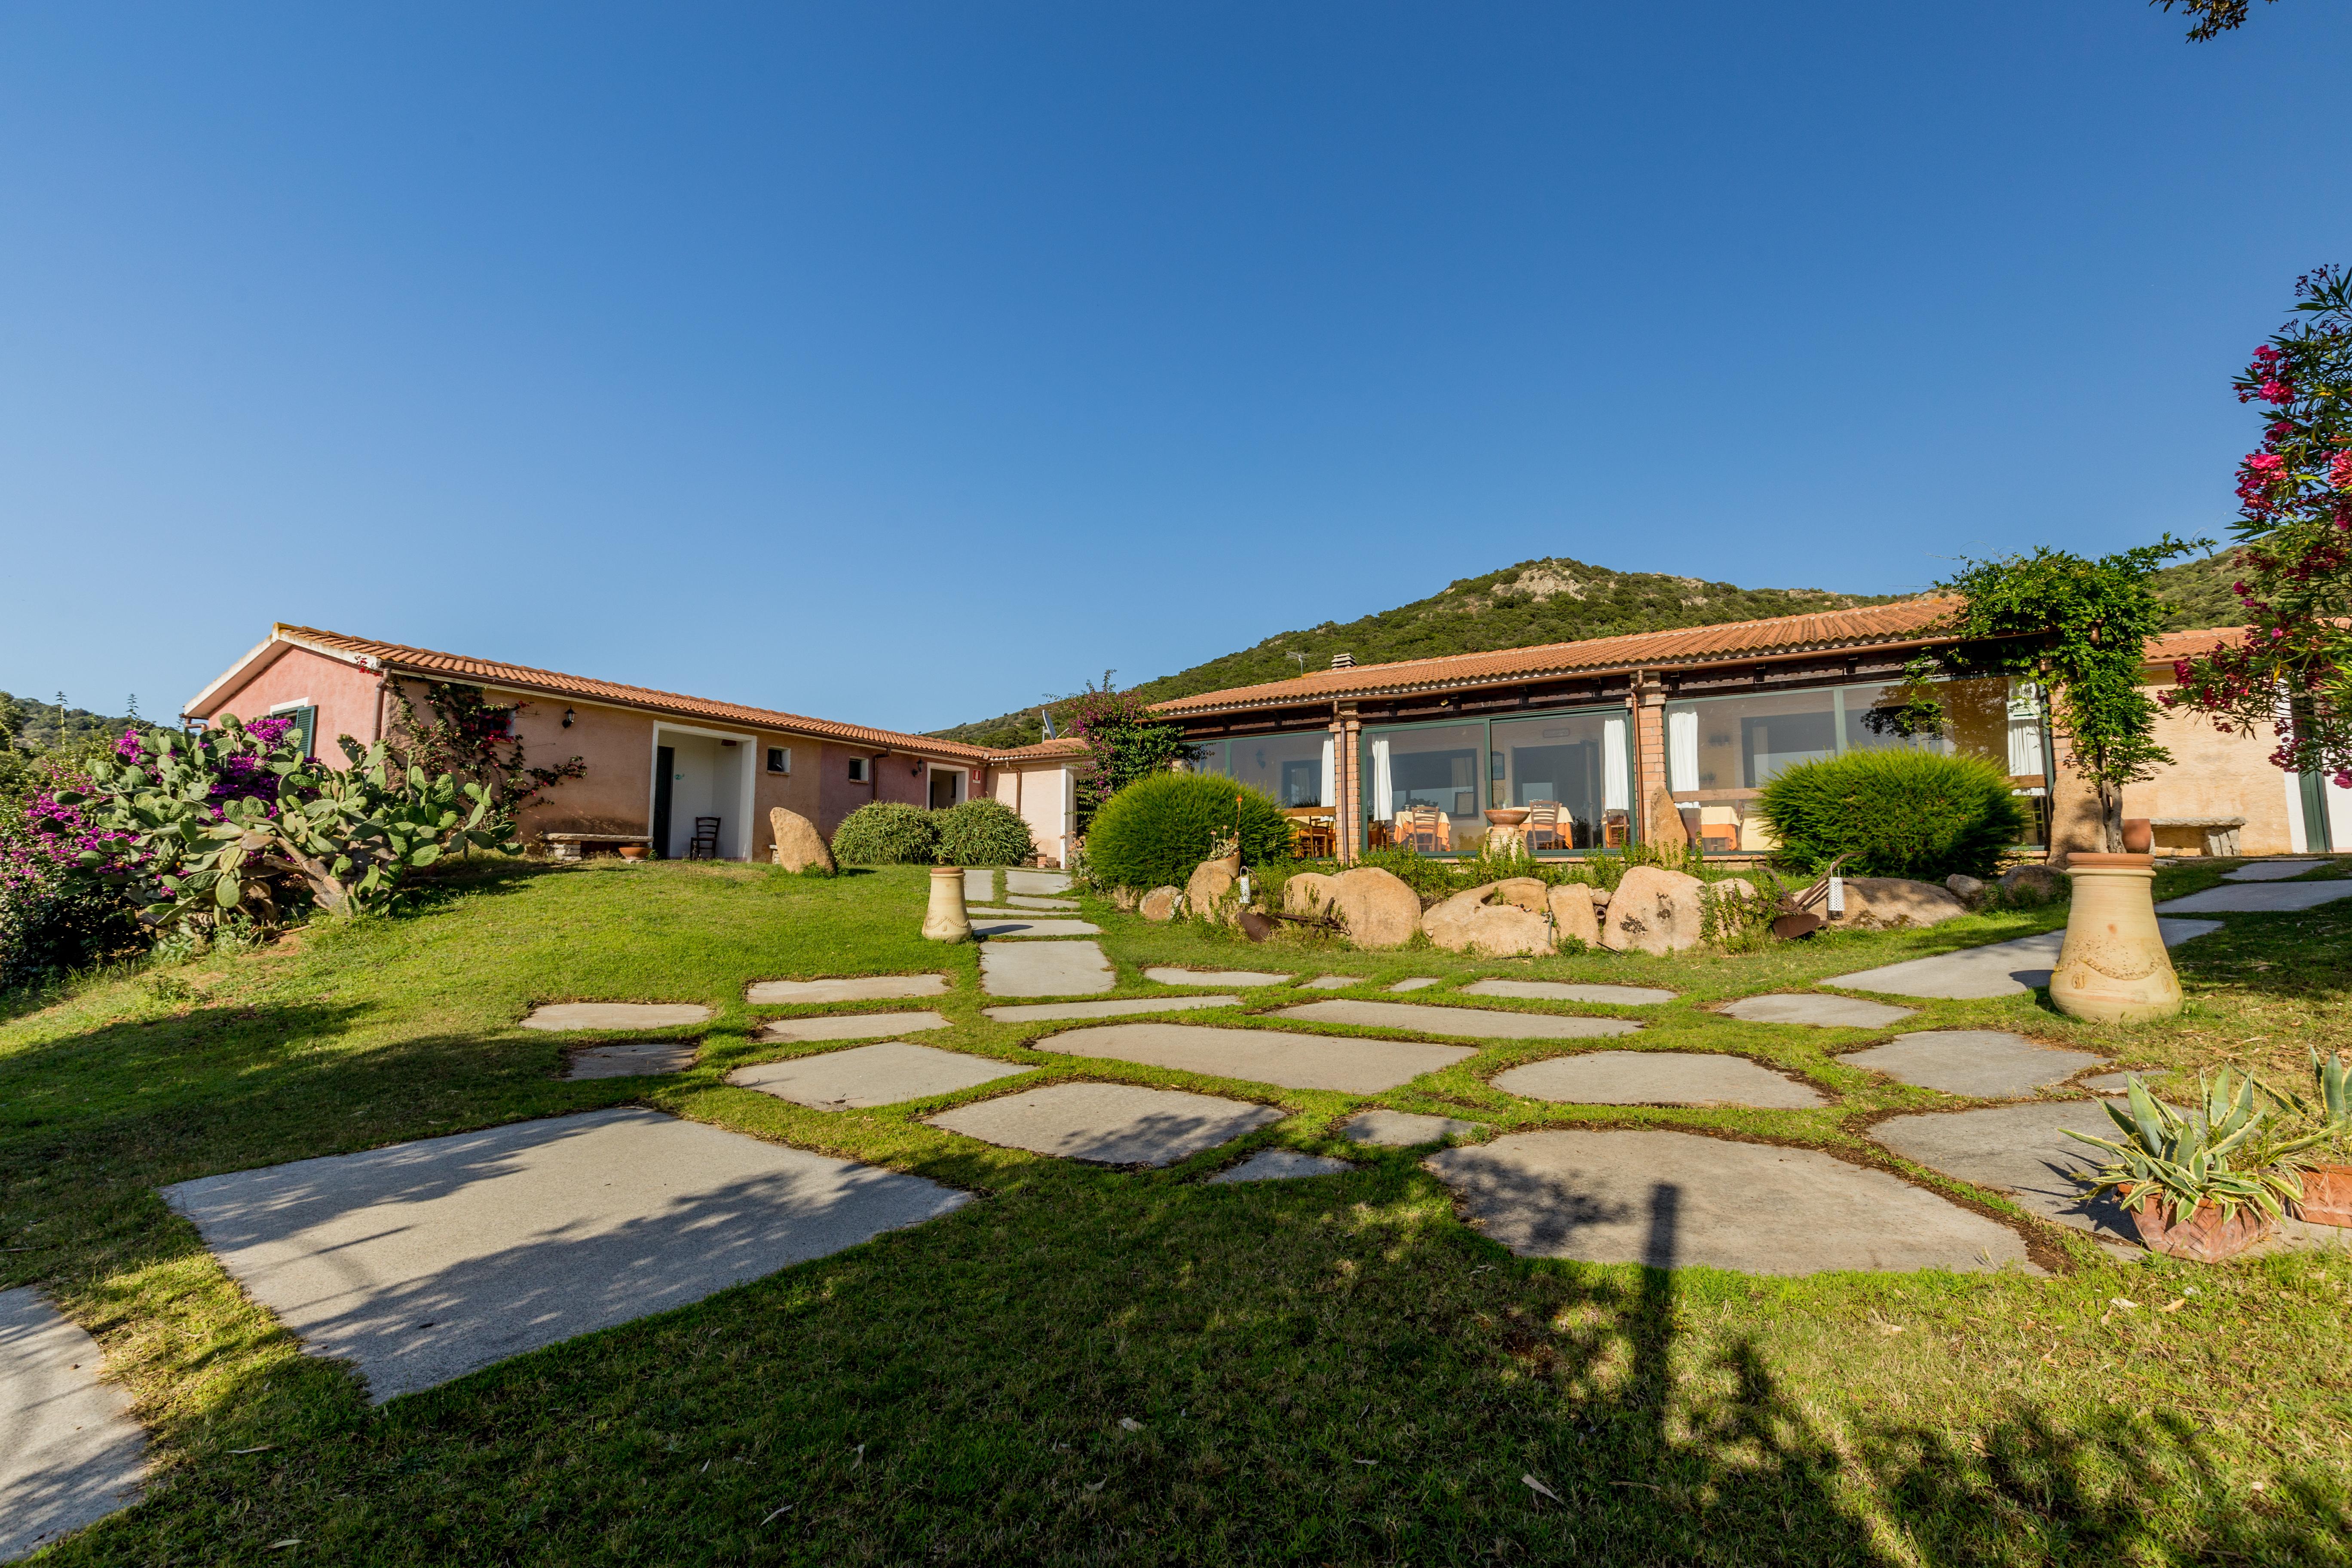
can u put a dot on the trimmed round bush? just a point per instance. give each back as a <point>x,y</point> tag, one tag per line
<point>1898,813</point>
<point>983,833</point>
<point>1155,831</point>
<point>886,833</point>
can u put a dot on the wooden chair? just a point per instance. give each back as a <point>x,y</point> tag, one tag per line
<point>1542,830</point>
<point>704,845</point>
<point>1424,828</point>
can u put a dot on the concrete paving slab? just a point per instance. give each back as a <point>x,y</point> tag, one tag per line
<point>2259,897</point>
<point>69,1452</point>
<point>1404,1129</point>
<point>1996,969</point>
<point>1818,1011</point>
<point>1331,982</point>
<point>1261,1056</point>
<point>1658,1078</point>
<point>616,1015</point>
<point>1167,976</point>
<point>1676,1199</point>
<point>1042,1012</point>
<point>1281,1165</point>
<point>978,887</point>
<point>2270,870</point>
<point>1048,882</point>
<point>1563,991</point>
<point>1418,982</point>
<point>847,1026</point>
<point>1032,925</point>
<point>638,1059</point>
<point>845,988</point>
<point>2020,1150</point>
<point>1472,1022</point>
<point>886,1074</point>
<point>1044,969</point>
<point>1108,1123</point>
<point>1984,1064</point>
<point>2120,1082</point>
<point>424,1261</point>
<point>1023,901</point>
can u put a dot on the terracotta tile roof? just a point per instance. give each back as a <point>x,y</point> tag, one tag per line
<point>1870,624</point>
<point>2166,646</point>
<point>425,661</point>
<point>1044,751</point>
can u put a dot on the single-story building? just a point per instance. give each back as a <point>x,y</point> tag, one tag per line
<point>656,760</point>
<point>1606,740</point>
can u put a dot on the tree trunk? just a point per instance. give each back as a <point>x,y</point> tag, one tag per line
<point>2111,817</point>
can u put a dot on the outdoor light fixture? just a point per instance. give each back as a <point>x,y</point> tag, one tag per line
<point>918,767</point>
<point>567,717</point>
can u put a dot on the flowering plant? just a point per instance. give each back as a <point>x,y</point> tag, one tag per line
<point>2292,670</point>
<point>1123,741</point>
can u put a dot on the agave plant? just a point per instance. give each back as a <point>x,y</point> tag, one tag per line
<point>2222,1156</point>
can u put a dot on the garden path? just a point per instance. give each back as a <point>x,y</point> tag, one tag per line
<point>69,1452</point>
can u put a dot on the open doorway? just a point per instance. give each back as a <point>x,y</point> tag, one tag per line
<point>947,786</point>
<point>700,777</point>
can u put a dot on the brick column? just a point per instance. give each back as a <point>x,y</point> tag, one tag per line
<point>1648,701</point>
<point>1351,786</point>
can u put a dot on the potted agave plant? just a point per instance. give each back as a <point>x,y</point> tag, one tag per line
<point>2327,1180</point>
<point>2203,1186</point>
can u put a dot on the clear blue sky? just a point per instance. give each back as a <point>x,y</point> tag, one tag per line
<point>903,363</point>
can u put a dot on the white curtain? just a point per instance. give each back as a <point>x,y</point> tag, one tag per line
<point>2025,747</point>
<point>1682,748</point>
<point>1613,787</point>
<point>1330,798</point>
<point>1382,795</point>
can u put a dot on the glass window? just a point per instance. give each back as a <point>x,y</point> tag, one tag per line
<point>1209,757</point>
<point>1439,769</point>
<point>1291,768</point>
<point>1572,769</point>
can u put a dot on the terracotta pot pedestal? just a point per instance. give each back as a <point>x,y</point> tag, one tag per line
<point>2204,1237</point>
<point>2113,968</point>
<point>946,919</point>
<point>2327,1197</point>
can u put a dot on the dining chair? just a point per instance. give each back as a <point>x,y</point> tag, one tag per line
<point>704,845</point>
<point>1542,830</point>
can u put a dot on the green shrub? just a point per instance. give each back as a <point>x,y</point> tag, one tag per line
<point>886,833</point>
<point>983,833</point>
<point>1897,814</point>
<point>1152,833</point>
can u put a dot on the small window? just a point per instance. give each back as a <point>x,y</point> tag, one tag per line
<point>780,759</point>
<point>857,766</point>
<point>306,729</point>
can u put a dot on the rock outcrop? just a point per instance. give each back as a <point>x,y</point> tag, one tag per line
<point>1897,902</point>
<point>1573,915</point>
<point>1161,903</point>
<point>1965,888</point>
<point>799,845</point>
<point>1210,895</point>
<point>1307,894</point>
<point>1379,909</point>
<point>2026,884</point>
<point>1654,910</point>
<point>1466,922</point>
<point>1526,892</point>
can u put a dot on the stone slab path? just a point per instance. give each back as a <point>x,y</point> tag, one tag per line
<point>978,887</point>
<point>1472,1022</point>
<point>1996,969</point>
<point>1044,969</point>
<point>1658,1078</point>
<point>639,1058</point>
<point>1676,1199</point>
<point>1167,976</point>
<point>424,1261</point>
<point>999,912</point>
<point>1281,1165</point>
<point>1046,882</point>
<point>1261,1056</point>
<point>2259,897</point>
<point>847,1026</point>
<point>1032,925</point>
<point>1562,991</point>
<point>2270,870</point>
<point>865,1076</point>
<point>1817,1010</point>
<point>1983,1064</point>
<point>616,1015</point>
<point>1418,982</point>
<point>1404,1129</point>
<point>1331,982</point>
<point>1026,902</point>
<point>2020,1150</point>
<point>69,1452</point>
<point>1108,1123</point>
<point>847,988</point>
<point>1043,1011</point>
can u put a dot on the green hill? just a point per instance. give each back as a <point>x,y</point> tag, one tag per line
<point>2199,592</point>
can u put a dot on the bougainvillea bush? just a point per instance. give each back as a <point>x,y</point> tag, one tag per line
<point>983,833</point>
<point>2291,671</point>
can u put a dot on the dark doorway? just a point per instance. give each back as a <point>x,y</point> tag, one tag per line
<point>665,770</point>
<point>943,789</point>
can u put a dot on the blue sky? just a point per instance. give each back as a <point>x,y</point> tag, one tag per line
<point>904,363</point>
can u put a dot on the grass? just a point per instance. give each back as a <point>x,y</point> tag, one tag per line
<point>1331,1371</point>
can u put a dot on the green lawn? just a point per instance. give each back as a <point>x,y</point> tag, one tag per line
<point>1328,1371</point>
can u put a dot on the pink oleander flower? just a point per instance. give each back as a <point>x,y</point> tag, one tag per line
<point>2339,470</point>
<point>2277,391</point>
<point>2265,353</point>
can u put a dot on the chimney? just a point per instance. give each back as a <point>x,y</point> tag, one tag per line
<point>1343,661</point>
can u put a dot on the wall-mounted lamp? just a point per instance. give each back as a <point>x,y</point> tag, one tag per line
<point>918,768</point>
<point>567,717</point>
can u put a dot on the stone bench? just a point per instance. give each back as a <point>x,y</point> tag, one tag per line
<point>572,846</point>
<point>2220,832</point>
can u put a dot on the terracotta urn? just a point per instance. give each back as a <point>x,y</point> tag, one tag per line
<point>946,919</point>
<point>2113,968</point>
<point>1506,821</point>
<point>633,851</point>
<point>2203,1236</point>
<point>2327,1197</point>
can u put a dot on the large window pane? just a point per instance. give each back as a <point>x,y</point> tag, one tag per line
<point>1441,768</point>
<point>1575,762</point>
<point>1209,757</point>
<point>1289,767</point>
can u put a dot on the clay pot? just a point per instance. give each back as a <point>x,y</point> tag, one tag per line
<point>945,921</point>
<point>633,851</point>
<point>2113,968</point>
<point>2204,1237</point>
<point>2327,1197</point>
